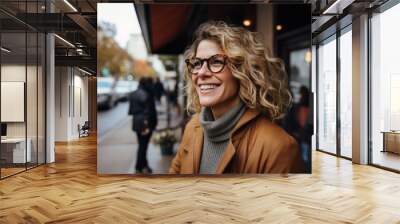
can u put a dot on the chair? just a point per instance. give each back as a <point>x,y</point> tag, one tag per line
<point>84,130</point>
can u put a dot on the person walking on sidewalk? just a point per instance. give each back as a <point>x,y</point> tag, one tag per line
<point>142,107</point>
<point>158,90</point>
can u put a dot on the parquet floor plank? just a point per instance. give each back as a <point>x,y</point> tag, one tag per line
<point>70,191</point>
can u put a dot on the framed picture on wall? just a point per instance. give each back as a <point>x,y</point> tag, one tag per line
<point>12,101</point>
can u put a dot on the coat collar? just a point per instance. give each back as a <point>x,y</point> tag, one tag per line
<point>249,115</point>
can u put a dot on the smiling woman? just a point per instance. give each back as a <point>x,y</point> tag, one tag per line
<point>237,93</point>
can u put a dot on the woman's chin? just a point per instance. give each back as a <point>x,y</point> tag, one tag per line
<point>206,104</point>
<point>208,99</point>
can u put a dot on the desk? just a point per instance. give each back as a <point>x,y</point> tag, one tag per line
<point>16,147</point>
<point>391,141</point>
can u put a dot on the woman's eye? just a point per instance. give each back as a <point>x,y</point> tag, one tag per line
<point>217,62</point>
<point>196,64</point>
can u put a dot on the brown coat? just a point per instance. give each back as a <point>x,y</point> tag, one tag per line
<point>257,146</point>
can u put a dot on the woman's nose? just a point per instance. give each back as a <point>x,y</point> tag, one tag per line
<point>204,71</point>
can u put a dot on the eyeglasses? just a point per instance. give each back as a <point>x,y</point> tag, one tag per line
<point>215,64</point>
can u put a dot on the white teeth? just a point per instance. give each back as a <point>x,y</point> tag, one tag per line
<point>205,87</point>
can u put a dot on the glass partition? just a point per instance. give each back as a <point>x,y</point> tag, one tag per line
<point>346,93</point>
<point>41,88</point>
<point>32,85</point>
<point>31,97</point>
<point>327,96</point>
<point>385,89</point>
<point>22,88</point>
<point>14,151</point>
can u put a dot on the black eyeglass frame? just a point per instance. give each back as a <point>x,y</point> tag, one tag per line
<point>188,64</point>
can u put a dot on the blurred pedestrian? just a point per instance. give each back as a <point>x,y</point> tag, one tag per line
<point>173,100</point>
<point>298,122</point>
<point>158,89</point>
<point>142,107</point>
<point>305,120</point>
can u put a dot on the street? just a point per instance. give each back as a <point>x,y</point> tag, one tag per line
<point>117,143</point>
<point>109,119</point>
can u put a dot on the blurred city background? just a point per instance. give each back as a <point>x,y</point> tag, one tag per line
<point>142,40</point>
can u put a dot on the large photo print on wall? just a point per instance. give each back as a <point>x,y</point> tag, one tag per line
<point>204,89</point>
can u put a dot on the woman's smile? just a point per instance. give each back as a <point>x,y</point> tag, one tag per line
<point>208,88</point>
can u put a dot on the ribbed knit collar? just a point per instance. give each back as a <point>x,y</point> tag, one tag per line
<point>220,129</point>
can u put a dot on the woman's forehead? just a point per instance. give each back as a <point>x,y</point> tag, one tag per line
<point>208,48</point>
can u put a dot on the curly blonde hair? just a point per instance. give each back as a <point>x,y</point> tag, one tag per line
<point>263,80</point>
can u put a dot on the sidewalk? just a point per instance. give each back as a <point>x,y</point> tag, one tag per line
<point>116,152</point>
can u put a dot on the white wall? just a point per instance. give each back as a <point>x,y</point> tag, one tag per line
<point>15,73</point>
<point>62,80</point>
<point>71,102</point>
<point>80,109</point>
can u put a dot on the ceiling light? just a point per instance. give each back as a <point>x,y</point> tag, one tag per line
<point>70,5</point>
<point>337,7</point>
<point>86,72</point>
<point>79,51</point>
<point>247,22</point>
<point>5,50</point>
<point>65,41</point>
<point>279,27</point>
<point>308,56</point>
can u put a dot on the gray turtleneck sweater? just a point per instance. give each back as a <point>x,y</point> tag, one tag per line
<point>216,135</point>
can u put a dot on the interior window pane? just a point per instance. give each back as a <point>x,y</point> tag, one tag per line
<point>15,150</point>
<point>31,97</point>
<point>346,94</point>
<point>327,96</point>
<point>41,98</point>
<point>385,84</point>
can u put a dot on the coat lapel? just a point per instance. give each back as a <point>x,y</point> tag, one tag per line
<point>230,151</point>
<point>197,149</point>
<point>226,158</point>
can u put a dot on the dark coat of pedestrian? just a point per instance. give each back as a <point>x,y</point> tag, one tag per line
<point>299,124</point>
<point>143,109</point>
<point>158,89</point>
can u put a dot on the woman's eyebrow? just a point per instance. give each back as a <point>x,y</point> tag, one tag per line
<point>208,56</point>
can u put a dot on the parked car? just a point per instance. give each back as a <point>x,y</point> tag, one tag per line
<point>106,94</point>
<point>124,87</point>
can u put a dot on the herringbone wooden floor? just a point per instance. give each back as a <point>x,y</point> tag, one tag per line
<point>70,191</point>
